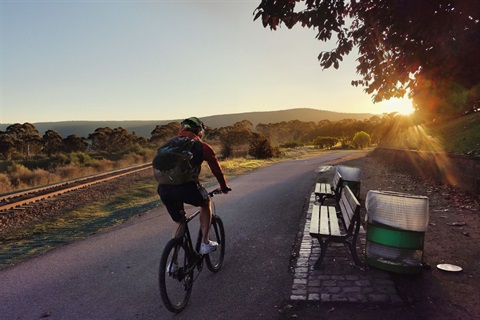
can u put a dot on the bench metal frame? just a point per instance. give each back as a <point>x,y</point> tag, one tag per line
<point>325,191</point>
<point>325,226</point>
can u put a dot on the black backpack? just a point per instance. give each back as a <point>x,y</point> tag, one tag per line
<point>174,163</point>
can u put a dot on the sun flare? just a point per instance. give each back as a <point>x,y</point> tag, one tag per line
<point>402,106</point>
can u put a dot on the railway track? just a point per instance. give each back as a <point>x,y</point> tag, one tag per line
<point>22,199</point>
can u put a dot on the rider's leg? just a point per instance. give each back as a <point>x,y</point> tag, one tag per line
<point>180,227</point>
<point>206,219</point>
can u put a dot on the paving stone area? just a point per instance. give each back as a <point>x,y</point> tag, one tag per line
<point>338,279</point>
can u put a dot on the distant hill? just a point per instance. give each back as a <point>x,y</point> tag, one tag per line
<point>144,128</point>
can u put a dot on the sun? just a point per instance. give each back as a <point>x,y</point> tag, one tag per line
<point>402,106</point>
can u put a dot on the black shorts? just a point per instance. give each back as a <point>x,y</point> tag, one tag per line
<point>174,196</point>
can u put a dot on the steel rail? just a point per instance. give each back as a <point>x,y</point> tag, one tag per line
<point>22,198</point>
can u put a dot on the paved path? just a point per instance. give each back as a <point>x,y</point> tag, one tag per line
<point>338,280</point>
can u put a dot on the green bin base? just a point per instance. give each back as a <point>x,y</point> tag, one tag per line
<point>383,264</point>
<point>394,250</point>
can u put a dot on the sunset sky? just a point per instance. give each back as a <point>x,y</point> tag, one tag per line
<point>160,60</point>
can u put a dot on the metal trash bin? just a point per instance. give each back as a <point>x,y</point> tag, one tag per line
<point>396,225</point>
<point>352,177</point>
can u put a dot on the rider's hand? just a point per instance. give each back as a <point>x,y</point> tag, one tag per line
<point>225,189</point>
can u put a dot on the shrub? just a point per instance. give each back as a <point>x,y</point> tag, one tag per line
<point>260,148</point>
<point>82,159</point>
<point>104,165</point>
<point>138,158</point>
<point>60,159</point>
<point>68,172</point>
<point>5,185</point>
<point>20,176</point>
<point>291,145</point>
<point>361,140</point>
<point>42,177</point>
<point>325,142</point>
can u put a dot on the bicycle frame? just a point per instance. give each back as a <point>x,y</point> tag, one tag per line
<point>176,278</point>
<point>186,231</point>
<point>192,252</point>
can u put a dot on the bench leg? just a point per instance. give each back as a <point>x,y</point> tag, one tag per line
<point>323,251</point>
<point>353,251</point>
<point>320,198</point>
<point>352,245</point>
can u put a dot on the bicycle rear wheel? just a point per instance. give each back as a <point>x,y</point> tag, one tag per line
<point>214,259</point>
<point>175,275</point>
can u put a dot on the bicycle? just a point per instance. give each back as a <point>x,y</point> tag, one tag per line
<point>180,259</point>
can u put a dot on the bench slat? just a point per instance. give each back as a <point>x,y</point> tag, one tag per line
<point>348,206</point>
<point>337,179</point>
<point>334,227</point>
<point>315,219</point>
<point>324,217</point>
<point>323,188</point>
<point>326,188</point>
<point>324,221</point>
<point>347,213</point>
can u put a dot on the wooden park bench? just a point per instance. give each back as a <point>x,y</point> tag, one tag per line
<point>325,226</point>
<point>325,191</point>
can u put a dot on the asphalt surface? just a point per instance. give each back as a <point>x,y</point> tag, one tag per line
<point>113,275</point>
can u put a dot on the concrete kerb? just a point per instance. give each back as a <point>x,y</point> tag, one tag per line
<point>338,280</point>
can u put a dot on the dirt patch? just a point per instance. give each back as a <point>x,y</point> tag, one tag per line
<point>452,237</point>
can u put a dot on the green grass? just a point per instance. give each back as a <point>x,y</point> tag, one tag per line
<point>461,135</point>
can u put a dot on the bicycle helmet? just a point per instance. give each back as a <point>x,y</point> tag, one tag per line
<point>193,124</point>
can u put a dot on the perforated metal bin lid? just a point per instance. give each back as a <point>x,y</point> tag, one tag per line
<point>398,210</point>
<point>350,173</point>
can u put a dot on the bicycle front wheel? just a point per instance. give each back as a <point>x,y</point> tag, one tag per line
<point>175,275</point>
<point>214,259</point>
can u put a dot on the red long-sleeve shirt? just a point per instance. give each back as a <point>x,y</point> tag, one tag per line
<point>209,156</point>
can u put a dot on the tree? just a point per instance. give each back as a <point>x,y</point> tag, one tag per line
<point>244,125</point>
<point>100,139</point>
<point>212,134</point>
<point>236,138</point>
<point>426,49</point>
<point>361,140</point>
<point>27,139</point>
<point>260,147</point>
<point>52,142</point>
<point>164,132</point>
<point>7,145</point>
<point>120,140</point>
<point>74,143</point>
<point>112,140</point>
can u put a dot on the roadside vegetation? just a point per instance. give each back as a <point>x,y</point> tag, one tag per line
<point>276,142</point>
<point>28,160</point>
<point>121,203</point>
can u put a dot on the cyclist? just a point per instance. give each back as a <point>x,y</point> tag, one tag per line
<point>192,192</point>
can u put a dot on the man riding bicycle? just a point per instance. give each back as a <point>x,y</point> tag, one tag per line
<point>192,192</point>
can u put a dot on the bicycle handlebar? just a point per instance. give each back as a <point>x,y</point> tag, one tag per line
<point>217,191</point>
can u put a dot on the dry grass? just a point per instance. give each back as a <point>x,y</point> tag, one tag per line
<point>18,177</point>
